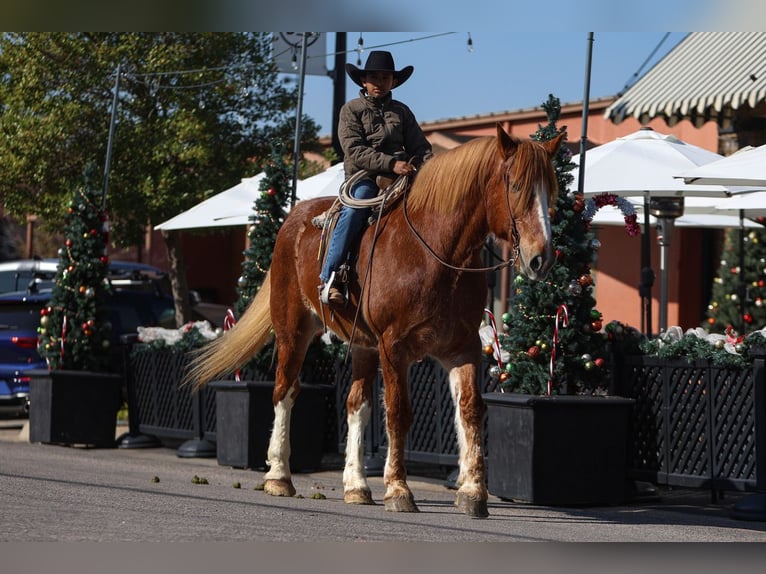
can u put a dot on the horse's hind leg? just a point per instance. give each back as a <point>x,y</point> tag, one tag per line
<point>471,496</point>
<point>291,350</point>
<point>364,363</point>
<point>398,497</point>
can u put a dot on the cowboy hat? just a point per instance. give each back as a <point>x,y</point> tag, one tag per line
<point>379,61</point>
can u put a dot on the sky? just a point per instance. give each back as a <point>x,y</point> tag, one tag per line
<point>503,72</point>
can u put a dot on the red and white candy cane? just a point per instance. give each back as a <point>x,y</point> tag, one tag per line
<point>562,318</point>
<point>497,341</point>
<point>63,337</point>
<point>228,322</point>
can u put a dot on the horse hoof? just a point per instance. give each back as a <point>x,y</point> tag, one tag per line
<point>401,504</point>
<point>358,496</point>
<point>473,507</point>
<point>279,487</point>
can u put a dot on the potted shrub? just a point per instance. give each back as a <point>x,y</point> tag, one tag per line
<point>76,399</point>
<point>555,435</point>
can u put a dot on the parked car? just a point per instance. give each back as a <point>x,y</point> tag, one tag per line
<point>138,298</point>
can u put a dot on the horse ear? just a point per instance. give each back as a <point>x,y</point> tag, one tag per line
<point>506,145</point>
<point>552,146</point>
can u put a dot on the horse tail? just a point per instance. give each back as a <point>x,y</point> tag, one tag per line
<point>237,345</point>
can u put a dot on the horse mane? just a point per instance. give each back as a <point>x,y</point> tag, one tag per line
<point>451,177</point>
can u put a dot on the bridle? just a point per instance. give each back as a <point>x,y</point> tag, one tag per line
<point>513,233</point>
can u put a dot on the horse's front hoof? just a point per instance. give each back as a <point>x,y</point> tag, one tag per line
<point>276,487</point>
<point>401,504</point>
<point>358,496</point>
<point>472,506</point>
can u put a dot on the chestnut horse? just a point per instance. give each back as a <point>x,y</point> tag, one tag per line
<point>416,292</point>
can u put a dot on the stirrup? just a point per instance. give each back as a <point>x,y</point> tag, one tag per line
<point>324,293</point>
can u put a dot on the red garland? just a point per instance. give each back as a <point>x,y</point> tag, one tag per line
<point>628,213</point>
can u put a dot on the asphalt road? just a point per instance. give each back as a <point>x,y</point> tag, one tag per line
<point>67,494</point>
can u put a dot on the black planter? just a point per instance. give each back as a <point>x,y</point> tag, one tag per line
<point>74,407</point>
<point>558,450</point>
<point>245,416</point>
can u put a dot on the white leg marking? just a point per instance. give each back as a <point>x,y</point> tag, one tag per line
<point>454,387</point>
<point>278,457</point>
<point>353,472</point>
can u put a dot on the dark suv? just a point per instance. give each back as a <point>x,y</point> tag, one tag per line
<point>138,298</point>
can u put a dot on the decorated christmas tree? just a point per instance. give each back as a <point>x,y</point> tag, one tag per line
<point>552,336</point>
<point>737,304</point>
<point>269,211</point>
<point>75,332</point>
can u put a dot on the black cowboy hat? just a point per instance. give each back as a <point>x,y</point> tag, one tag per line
<point>379,61</point>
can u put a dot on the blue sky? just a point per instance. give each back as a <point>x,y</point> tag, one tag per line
<point>503,72</point>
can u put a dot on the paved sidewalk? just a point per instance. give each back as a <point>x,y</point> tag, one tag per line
<point>64,494</point>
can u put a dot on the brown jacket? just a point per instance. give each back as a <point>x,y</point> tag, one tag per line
<point>375,133</point>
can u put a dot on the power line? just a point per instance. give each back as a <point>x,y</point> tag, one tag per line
<point>637,73</point>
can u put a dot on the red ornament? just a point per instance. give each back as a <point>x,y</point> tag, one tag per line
<point>599,362</point>
<point>596,325</point>
<point>748,318</point>
<point>585,280</point>
<point>578,206</point>
<point>534,351</point>
<point>272,191</point>
<point>761,283</point>
<point>710,320</point>
<point>68,243</point>
<point>104,259</point>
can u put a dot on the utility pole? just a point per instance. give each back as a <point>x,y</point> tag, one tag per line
<point>339,88</point>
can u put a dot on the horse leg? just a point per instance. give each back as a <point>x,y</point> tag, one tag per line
<point>398,497</point>
<point>364,363</point>
<point>471,496</point>
<point>291,348</point>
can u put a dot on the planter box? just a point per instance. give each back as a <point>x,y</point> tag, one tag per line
<point>558,450</point>
<point>245,415</point>
<point>74,407</point>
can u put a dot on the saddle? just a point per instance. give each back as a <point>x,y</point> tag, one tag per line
<point>391,189</point>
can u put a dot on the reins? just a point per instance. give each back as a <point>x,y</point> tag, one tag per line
<point>513,231</point>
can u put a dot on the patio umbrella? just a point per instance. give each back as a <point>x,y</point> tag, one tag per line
<point>746,167</point>
<point>326,183</point>
<point>230,207</point>
<point>645,163</point>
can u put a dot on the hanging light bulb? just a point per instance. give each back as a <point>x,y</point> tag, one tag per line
<point>359,49</point>
<point>294,61</point>
<point>470,44</point>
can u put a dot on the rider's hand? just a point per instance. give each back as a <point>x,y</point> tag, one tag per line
<point>403,168</point>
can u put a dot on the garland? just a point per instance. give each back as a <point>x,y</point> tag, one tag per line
<point>593,204</point>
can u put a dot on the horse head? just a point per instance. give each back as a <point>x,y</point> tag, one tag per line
<point>530,189</point>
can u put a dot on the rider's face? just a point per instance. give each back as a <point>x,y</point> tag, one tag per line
<point>378,84</point>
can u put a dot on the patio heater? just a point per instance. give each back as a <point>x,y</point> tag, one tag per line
<point>666,210</point>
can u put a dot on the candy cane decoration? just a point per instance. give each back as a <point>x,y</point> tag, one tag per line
<point>562,318</point>
<point>63,337</point>
<point>497,340</point>
<point>228,322</point>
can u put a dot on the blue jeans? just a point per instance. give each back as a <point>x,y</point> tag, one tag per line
<point>351,222</point>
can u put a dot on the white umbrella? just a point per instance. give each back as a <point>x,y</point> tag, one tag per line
<point>744,168</point>
<point>645,163</point>
<point>322,184</point>
<point>230,207</point>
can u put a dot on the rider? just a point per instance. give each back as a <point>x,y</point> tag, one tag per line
<point>379,135</point>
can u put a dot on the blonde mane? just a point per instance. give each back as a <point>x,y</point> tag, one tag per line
<point>463,172</point>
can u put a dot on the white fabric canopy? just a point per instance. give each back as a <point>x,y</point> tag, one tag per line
<point>230,207</point>
<point>744,168</point>
<point>645,161</point>
<point>234,206</point>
